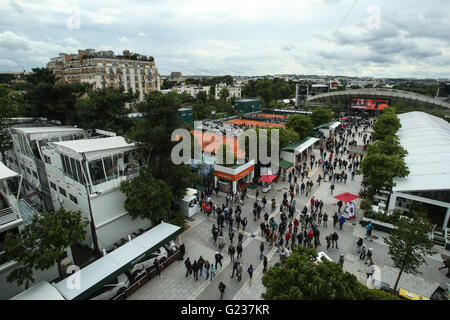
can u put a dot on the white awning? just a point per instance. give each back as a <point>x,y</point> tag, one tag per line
<point>41,291</point>
<point>94,148</point>
<point>305,145</point>
<point>334,125</point>
<point>118,261</point>
<point>6,172</point>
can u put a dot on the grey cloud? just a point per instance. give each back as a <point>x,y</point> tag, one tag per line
<point>16,6</point>
<point>13,42</point>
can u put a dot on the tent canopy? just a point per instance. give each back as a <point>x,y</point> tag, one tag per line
<point>267,178</point>
<point>285,164</point>
<point>346,197</point>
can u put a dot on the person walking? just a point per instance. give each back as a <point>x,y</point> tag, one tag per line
<point>332,188</point>
<point>195,268</point>
<point>234,268</point>
<point>231,252</point>
<point>206,267</point>
<point>239,271</point>
<point>370,270</point>
<point>363,253</point>
<point>341,259</point>
<point>218,256</point>
<point>240,237</point>
<point>265,264</point>
<point>334,239</point>
<point>339,204</point>
<point>335,219</point>
<point>222,288</point>
<point>239,251</point>
<point>328,240</point>
<point>182,251</point>
<point>261,250</point>
<point>250,273</point>
<point>157,267</point>
<point>231,235</point>
<point>369,256</point>
<point>341,222</point>
<point>244,223</point>
<point>264,202</point>
<point>188,265</point>
<point>325,220</point>
<point>212,270</point>
<point>359,244</point>
<point>369,229</point>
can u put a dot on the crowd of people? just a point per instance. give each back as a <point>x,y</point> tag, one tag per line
<point>290,229</point>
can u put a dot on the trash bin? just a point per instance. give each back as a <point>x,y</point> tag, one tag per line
<point>381,285</point>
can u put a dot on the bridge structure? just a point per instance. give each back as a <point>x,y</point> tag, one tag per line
<point>393,95</point>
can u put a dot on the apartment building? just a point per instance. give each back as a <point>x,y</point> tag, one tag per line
<point>132,71</point>
<point>234,91</point>
<point>192,89</point>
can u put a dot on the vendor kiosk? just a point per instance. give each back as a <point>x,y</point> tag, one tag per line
<point>189,204</point>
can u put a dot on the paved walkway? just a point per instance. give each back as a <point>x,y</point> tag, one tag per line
<point>198,241</point>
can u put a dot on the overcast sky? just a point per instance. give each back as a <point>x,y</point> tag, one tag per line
<point>389,38</point>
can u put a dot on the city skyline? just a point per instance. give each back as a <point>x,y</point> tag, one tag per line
<point>321,37</point>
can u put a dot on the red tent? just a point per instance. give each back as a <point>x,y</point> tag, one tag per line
<point>267,178</point>
<point>346,197</point>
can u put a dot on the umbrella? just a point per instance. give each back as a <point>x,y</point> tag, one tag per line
<point>346,196</point>
<point>267,178</point>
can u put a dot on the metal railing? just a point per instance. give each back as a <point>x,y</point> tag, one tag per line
<point>6,211</point>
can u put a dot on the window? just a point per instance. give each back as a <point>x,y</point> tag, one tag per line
<point>110,167</point>
<point>74,199</point>
<point>28,171</point>
<point>35,174</point>
<point>62,191</point>
<point>96,171</point>
<point>47,159</point>
<point>74,169</point>
<point>53,186</point>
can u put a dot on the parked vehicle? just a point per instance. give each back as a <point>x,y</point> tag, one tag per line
<point>138,268</point>
<point>109,291</point>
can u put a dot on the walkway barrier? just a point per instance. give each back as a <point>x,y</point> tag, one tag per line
<point>147,276</point>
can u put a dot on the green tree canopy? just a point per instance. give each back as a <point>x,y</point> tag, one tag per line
<point>300,277</point>
<point>390,145</point>
<point>42,243</point>
<point>380,169</point>
<point>301,124</point>
<point>105,109</point>
<point>224,94</point>
<point>41,75</point>
<point>321,115</point>
<point>387,124</point>
<point>147,197</point>
<point>409,243</point>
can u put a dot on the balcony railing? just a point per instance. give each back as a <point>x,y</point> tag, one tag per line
<point>6,211</point>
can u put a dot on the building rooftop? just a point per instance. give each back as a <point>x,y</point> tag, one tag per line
<point>89,145</point>
<point>33,130</point>
<point>427,140</point>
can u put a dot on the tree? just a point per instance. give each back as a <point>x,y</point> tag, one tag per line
<point>301,124</point>
<point>320,116</point>
<point>390,145</point>
<point>409,243</point>
<point>105,109</point>
<point>147,197</point>
<point>41,75</point>
<point>380,169</point>
<point>224,94</point>
<point>9,107</point>
<point>202,96</point>
<point>387,124</point>
<point>287,136</point>
<point>42,243</point>
<point>300,277</point>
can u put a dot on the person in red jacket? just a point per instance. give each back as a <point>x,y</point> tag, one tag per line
<point>310,237</point>
<point>287,236</point>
